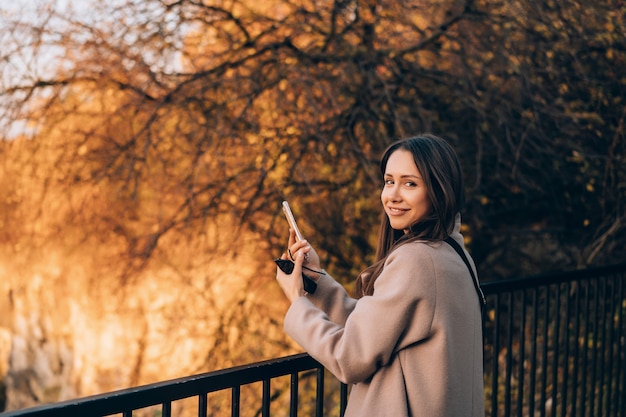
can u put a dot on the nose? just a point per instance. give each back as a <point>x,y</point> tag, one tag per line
<point>393,194</point>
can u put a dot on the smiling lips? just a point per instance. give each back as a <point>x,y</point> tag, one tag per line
<point>396,211</point>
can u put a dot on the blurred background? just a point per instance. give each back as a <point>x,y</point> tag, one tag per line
<point>146,146</point>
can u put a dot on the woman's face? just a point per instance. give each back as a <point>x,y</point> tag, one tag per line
<point>404,195</point>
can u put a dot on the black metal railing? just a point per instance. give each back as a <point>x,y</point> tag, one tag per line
<point>301,371</point>
<point>555,345</point>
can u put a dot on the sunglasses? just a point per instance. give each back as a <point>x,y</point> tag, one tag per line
<point>286,266</point>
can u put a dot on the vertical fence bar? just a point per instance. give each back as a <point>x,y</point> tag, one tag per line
<point>343,399</point>
<point>617,341</point>
<point>319,395</point>
<point>487,345</point>
<point>509,357</point>
<point>575,384</point>
<point>203,405</point>
<point>566,357</point>
<point>235,401</point>
<point>166,409</point>
<point>544,352</point>
<point>533,353</point>
<point>585,342</point>
<point>265,410</point>
<point>594,351</point>
<point>293,395</point>
<point>620,345</point>
<point>555,350</point>
<point>522,353</point>
<point>602,347</point>
<point>622,348</point>
<point>494,359</point>
<point>610,325</point>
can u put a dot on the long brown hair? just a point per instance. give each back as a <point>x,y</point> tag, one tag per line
<point>440,169</point>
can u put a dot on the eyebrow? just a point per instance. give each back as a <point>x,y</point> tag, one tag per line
<point>404,176</point>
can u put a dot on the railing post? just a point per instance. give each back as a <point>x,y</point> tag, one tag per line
<point>293,395</point>
<point>203,405</point>
<point>166,409</point>
<point>319,396</point>
<point>235,401</point>
<point>265,412</point>
<point>343,399</point>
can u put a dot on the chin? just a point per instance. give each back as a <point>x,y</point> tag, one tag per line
<point>399,226</point>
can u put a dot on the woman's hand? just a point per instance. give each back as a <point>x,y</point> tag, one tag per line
<point>292,284</point>
<point>311,259</point>
<point>301,253</point>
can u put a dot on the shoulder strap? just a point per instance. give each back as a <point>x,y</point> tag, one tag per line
<point>459,250</point>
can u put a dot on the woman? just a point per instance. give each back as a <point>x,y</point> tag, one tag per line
<point>411,343</point>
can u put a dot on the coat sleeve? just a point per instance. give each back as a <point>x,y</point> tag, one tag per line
<point>399,313</point>
<point>333,299</point>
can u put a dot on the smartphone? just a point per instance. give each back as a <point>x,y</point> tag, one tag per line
<point>292,220</point>
<point>286,265</point>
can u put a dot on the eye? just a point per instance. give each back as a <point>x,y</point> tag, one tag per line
<point>388,181</point>
<point>410,184</point>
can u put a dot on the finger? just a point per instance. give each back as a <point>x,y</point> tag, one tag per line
<point>297,268</point>
<point>292,237</point>
<point>306,249</point>
<point>298,246</point>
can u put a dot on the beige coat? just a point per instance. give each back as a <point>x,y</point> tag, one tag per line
<point>414,348</point>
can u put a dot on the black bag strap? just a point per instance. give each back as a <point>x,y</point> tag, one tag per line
<point>459,250</point>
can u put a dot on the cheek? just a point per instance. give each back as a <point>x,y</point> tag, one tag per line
<point>383,195</point>
<point>426,204</point>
